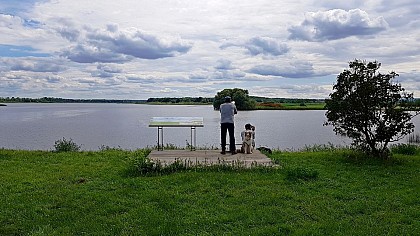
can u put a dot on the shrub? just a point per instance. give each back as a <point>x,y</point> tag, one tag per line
<point>64,145</point>
<point>405,149</point>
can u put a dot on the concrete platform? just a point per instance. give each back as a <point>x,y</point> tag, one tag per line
<point>209,157</point>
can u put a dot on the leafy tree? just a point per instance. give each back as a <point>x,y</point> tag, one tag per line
<point>240,96</point>
<point>365,106</point>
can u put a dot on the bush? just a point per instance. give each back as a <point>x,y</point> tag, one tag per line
<point>64,145</point>
<point>405,149</point>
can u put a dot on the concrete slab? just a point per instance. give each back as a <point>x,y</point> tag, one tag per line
<point>209,157</point>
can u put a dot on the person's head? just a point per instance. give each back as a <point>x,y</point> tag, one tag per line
<point>228,99</point>
<point>248,126</point>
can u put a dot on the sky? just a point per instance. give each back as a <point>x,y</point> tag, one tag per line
<point>136,49</point>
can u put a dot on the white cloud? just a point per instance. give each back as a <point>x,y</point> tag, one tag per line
<point>224,64</point>
<point>33,64</point>
<point>336,24</point>
<point>296,69</point>
<point>128,49</point>
<point>261,45</point>
<point>118,46</point>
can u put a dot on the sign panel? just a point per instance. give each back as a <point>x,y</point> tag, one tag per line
<point>176,122</point>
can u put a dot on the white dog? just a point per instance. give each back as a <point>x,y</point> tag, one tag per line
<point>247,142</point>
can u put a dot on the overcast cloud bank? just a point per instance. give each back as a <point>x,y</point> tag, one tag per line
<point>140,49</point>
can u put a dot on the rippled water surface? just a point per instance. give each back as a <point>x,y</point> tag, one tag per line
<point>38,126</point>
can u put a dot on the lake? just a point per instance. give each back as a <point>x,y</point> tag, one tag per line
<point>31,126</point>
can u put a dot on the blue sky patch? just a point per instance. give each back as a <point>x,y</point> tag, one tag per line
<point>19,51</point>
<point>31,23</point>
<point>16,7</point>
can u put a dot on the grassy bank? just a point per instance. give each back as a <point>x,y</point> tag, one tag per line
<point>322,192</point>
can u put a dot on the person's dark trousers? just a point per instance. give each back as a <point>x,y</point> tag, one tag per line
<point>228,127</point>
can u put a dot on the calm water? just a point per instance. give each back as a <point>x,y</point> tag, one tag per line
<point>38,126</point>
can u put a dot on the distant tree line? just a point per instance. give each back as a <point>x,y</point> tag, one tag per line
<point>175,100</point>
<point>65,100</point>
<point>183,100</point>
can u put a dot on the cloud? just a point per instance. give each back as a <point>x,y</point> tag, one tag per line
<point>67,29</point>
<point>266,46</point>
<point>33,64</point>
<point>222,75</point>
<point>293,70</point>
<point>106,71</point>
<point>89,54</point>
<point>54,78</point>
<point>336,24</point>
<point>114,45</point>
<point>223,64</point>
<point>121,49</point>
<point>17,6</point>
<point>10,21</point>
<point>261,45</point>
<point>294,91</point>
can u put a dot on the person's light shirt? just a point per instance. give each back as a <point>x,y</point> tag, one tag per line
<point>227,111</point>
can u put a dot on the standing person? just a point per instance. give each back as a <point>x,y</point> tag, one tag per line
<point>227,113</point>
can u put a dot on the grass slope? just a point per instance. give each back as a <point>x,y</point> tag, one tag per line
<point>317,193</point>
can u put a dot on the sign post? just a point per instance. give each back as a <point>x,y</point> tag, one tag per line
<point>161,122</point>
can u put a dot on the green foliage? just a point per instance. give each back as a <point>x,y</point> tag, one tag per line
<point>365,106</point>
<point>240,96</point>
<point>65,100</point>
<point>64,145</point>
<point>183,100</point>
<point>405,149</point>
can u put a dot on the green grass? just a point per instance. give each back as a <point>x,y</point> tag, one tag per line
<point>321,192</point>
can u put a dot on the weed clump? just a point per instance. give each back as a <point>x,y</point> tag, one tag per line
<point>64,145</point>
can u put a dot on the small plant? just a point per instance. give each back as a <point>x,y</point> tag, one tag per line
<point>108,148</point>
<point>301,173</point>
<point>320,148</point>
<point>145,166</point>
<point>64,145</point>
<point>405,149</point>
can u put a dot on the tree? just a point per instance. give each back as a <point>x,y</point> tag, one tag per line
<point>240,96</point>
<point>365,106</point>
